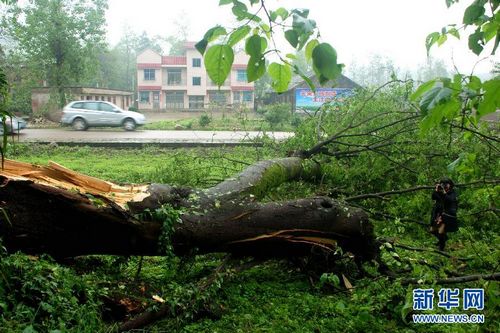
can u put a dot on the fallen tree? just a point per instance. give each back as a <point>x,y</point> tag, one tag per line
<point>54,210</point>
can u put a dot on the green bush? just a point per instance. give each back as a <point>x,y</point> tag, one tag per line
<point>276,114</point>
<point>204,120</point>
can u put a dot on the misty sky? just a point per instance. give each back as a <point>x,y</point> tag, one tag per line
<point>357,29</point>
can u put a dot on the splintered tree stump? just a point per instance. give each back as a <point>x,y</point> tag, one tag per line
<point>54,210</point>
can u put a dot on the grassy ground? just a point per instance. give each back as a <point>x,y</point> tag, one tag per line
<point>90,293</point>
<point>228,123</point>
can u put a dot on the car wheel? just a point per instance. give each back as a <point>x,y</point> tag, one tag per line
<point>129,124</point>
<point>79,124</point>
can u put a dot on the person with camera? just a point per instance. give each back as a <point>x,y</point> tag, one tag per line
<point>444,212</point>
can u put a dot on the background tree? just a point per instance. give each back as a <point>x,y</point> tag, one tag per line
<point>59,40</point>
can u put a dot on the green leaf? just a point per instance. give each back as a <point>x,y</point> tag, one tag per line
<point>255,46</point>
<point>301,12</point>
<point>442,39</point>
<point>201,46</point>
<point>490,30</point>
<point>491,98</point>
<point>281,12</point>
<point>472,13</point>
<point>237,35</point>
<point>214,32</point>
<point>291,56</point>
<point>474,83</point>
<point>476,42</point>
<point>454,32</point>
<point>281,76</point>
<point>218,61</point>
<point>448,109</point>
<point>225,2</point>
<point>430,40</point>
<point>309,48</point>
<point>292,37</point>
<point>433,97</point>
<point>256,68</point>
<point>253,2</point>
<point>422,89</point>
<point>325,61</point>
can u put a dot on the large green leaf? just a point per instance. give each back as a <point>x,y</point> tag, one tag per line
<point>255,46</point>
<point>256,68</point>
<point>491,98</point>
<point>434,117</point>
<point>473,12</point>
<point>209,36</point>
<point>218,61</point>
<point>281,12</point>
<point>309,48</point>
<point>435,96</point>
<point>325,61</point>
<point>281,76</point>
<point>476,42</point>
<point>430,40</point>
<point>292,37</point>
<point>424,87</point>
<point>238,35</point>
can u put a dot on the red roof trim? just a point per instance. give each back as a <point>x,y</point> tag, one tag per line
<point>241,88</point>
<point>148,88</point>
<point>173,60</point>
<point>144,66</point>
<point>239,66</point>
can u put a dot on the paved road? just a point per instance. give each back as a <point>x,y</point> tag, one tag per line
<point>66,135</point>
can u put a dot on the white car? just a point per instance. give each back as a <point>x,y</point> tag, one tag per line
<point>84,114</point>
<point>14,124</point>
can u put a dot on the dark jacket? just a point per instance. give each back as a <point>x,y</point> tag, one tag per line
<point>447,206</point>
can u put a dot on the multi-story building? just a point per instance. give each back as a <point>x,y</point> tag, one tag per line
<point>181,82</point>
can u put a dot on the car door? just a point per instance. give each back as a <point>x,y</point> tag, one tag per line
<point>91,113</point>
<point>111,114</point>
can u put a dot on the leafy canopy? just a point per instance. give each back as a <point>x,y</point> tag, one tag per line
<point>258,25</point>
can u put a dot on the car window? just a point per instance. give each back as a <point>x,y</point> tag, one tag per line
<point>106,107</point>
<point>77,106</point>
<point>91,106</point>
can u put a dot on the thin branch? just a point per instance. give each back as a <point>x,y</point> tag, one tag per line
<point>420,249</point>
<point>457,279</point>
<point>416,188</point>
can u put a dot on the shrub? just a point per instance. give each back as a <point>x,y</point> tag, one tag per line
<point>277,114</point>
<point>204,120</point>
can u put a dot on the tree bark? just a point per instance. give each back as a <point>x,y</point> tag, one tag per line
<point>83,215</point>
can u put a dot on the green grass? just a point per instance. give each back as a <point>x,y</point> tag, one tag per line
<point>228,123</point>
<point>273,296</point>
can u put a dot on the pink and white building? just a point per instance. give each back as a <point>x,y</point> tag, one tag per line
<point>181,82</point>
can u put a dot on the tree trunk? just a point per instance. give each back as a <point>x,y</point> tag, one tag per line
<point>57,211</point>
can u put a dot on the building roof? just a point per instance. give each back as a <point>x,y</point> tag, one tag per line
<point>341,82</point>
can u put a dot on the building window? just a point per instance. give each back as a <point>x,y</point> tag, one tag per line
<point>196,62</point>
<point>174,100</point>
<point>196,102</point>
<point>241,75</point>
<point>144,97</point>
<point>89,98</point>
<point>196,81</point>
<point>149,75</point>
<point>174,76</point>
<point>236,97</point>
<point>217,97</point>
<point>247,96</point>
